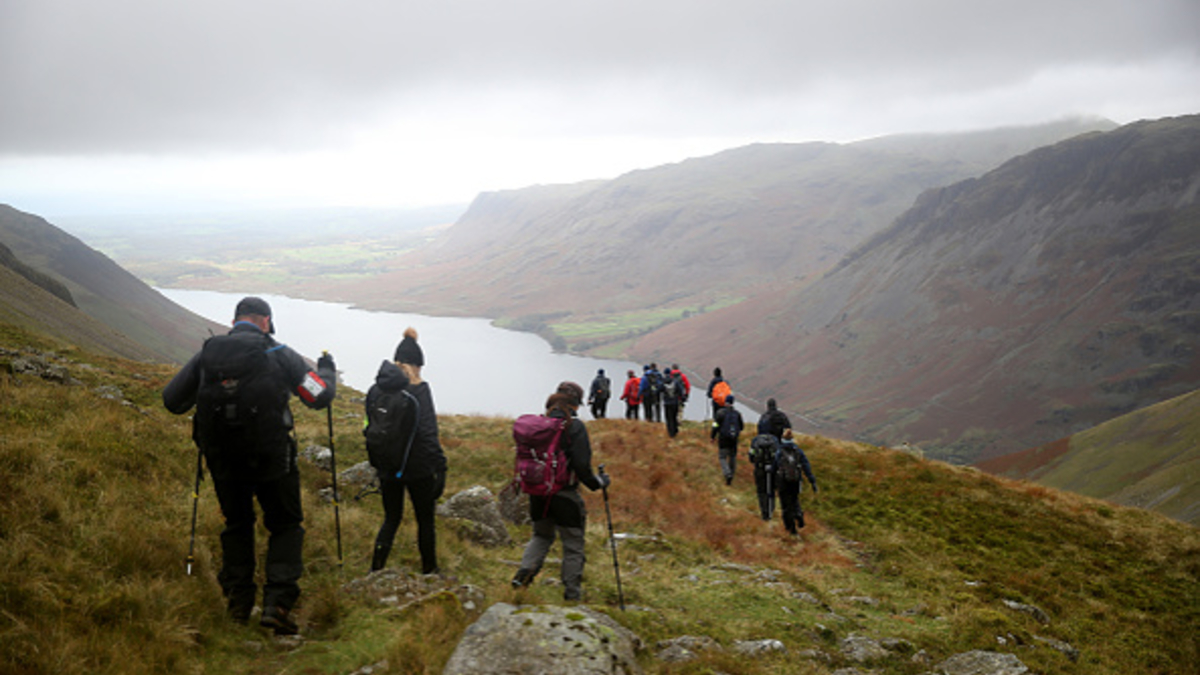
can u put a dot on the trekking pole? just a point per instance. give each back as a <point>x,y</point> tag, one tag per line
<point>612,538</point>
<point>337,519</point>
<point>191,558</point>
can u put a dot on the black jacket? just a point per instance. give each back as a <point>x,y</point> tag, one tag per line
<point>426,457</point>
<point>578,449</point>
<point>179,396</point>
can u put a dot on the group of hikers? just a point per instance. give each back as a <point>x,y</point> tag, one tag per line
<point>658,396</point>
<point>240,383</point>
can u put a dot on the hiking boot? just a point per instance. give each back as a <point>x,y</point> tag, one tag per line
<point>523,578</point>
<point>277,619</point>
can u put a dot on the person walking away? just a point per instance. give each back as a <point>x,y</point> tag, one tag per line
<point>718,390</point>
<point>687,384</point>
<point>240,384</point>
<point>631,396</point>
<point>726,428</point>
<point>646,394</point>
<point>762,455</point>
<point>598,395</point>
<point>791,463</point>
<point>672,398</point>
<point>563,512</point>
<point>424,475</point>
<point>773,421</point>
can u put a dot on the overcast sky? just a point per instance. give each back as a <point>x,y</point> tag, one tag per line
<point>154,105</point>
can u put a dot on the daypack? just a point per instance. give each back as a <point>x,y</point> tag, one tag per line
<point>789,462</point>
<point>762,449</point>
<point>391,426</point>
<point>720,391</point>
<point>240,404</point>
<point>729,428</point>
<point>541,466</point>
<point>672,388</point>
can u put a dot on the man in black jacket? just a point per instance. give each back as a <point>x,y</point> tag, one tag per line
<point>240,384</point>
<point>773,421</point>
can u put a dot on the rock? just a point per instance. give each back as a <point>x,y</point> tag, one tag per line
<point>110,392</point>
<point>513,505</point>
<point>545,639</point>
<point>982,663</point>
<point>1036,612</point>
<point>685,648</point>
<point>862,649</point>
<point>758,647</point>
<point>320,457</point>
<point>480,514</point>
<point>1067,650</point>
<point>361,475</point>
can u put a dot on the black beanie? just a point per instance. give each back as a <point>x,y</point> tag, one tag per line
<point>408,351</point>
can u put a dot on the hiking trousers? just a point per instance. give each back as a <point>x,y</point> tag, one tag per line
<point>282,515</point>
<point>423,493</point>
<point>566,517</point>
<point>727,454</point>
<point>631,410</point>
<point>764,479</point>
<point>789,504</point>
<point>671,417</point>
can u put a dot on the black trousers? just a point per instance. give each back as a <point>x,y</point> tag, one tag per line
<point>283,517</point>
<point>789,502</point>
<point>424,493</point>
<point>671,417</point>
<point>764,481</point>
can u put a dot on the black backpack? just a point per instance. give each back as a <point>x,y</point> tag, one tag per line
<point>240,405</point>
<point>762,449</point>
<point>672,388</point>
<point>390,429</point>
<point>729,428</point>
<point>789,462</point>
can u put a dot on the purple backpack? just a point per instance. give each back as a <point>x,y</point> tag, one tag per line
<point>541,466</point>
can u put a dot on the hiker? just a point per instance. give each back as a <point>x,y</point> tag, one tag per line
<point>762,455</point>
<point>598,395</point>
<point>672,399</point>
<point>424,474</point>
<point>726,427</point>
<point>563,512</point>
<point>790,464</point>
<point>718,391</point>
<point>647,392</point>
<point>240,384</point>
<point>687,384</point>
<point>631,396</point>
<point>773,421</point>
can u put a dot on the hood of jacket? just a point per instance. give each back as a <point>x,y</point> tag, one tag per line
<point>391,377</point>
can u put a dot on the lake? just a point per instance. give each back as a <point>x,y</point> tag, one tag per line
<point>473,367</point>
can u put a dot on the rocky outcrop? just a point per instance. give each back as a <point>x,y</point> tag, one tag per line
<point>526,639</point>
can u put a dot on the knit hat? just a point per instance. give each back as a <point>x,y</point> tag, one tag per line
<point>408,351</point>
<point>253,306</point>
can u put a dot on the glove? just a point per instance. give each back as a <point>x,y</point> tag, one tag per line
<point>326,362</point>
<point>605,480</point>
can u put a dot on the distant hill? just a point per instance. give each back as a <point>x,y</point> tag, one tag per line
<point>1056,292</point>
<point>691,236</point>
<point>1149,458</point>
<point>133,312</point>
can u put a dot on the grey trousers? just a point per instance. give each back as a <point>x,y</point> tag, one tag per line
<point>544,531</point>
<point>728,457</point>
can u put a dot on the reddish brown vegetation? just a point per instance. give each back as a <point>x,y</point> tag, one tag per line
<point>674,487</point>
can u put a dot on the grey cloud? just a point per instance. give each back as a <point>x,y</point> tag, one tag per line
<point>81,76</point>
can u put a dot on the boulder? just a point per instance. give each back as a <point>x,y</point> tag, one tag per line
<point>982,663</point>
<point>545,639</point>
<point>477,508</point>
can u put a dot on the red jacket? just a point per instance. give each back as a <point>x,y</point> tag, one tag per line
<point>632,395</point>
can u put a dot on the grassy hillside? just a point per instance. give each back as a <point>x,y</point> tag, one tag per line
<point>102,289</point>
<point>95,502</point>
<point>1148,458</point>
